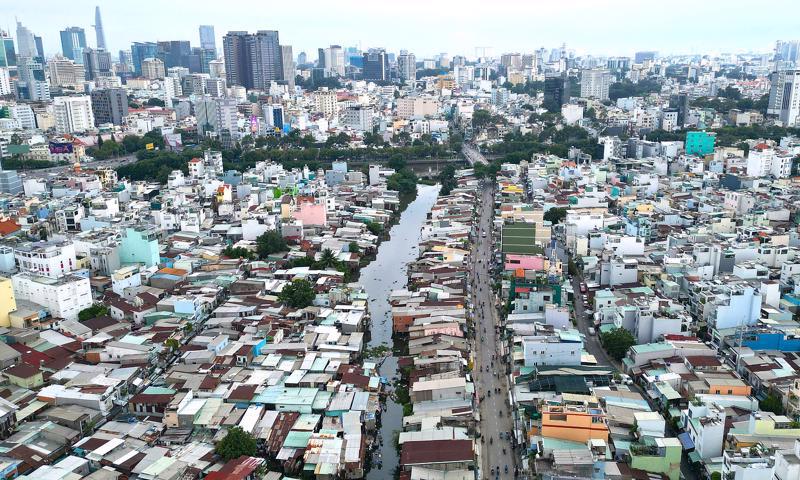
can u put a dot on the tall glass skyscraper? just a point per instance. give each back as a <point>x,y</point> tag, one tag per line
<point>73,41</point>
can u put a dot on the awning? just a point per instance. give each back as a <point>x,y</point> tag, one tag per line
<point>686,441</point>
<point>694,457</point>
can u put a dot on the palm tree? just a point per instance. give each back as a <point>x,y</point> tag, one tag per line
<point>327,259</point>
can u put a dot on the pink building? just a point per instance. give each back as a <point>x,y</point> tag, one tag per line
<point>311,213</point>
<point>525,262</point>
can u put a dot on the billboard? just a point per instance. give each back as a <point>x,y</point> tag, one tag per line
<point>60,147</point>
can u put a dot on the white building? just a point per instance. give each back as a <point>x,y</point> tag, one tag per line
<point>787,464</point>
<point>358,118</point>
<point>552,350</point>
<point>326,102</point>
<point>417,106</point>
<point>73,114</point>
<point>23,114</point>
<point>784,96</point>
<point>5,82</point>
<point>46,259</point>
<point>595,84</point>
<point>63,298</point>
<point>705,424</point>
<point>125,277</point>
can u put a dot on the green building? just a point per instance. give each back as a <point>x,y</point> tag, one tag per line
<point>139,245</point>
<point>700,143</point>
<point>657,455</point>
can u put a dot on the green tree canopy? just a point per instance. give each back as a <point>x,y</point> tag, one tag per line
<point>771,404</point>
<point>297,294</point>
<point>235,444</point>
<point>555,215</point>
<point>617,342</point>
<point>270,242</point>
<point>96,310</point>
<point>447,180</point>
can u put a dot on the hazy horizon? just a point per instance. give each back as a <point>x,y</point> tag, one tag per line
<point>427,28</point>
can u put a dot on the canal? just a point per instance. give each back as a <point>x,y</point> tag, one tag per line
<point>384,274</point>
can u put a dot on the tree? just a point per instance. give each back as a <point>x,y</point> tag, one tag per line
<point>297,294</point>
<point>238,252</point>
<point>617,342</point>
<point>96,310</point>
<point>327,260</point>
<point>481,118</point>
<point>397,162</point>
<point>771,404</point>
<point>155,102</point>
<point>555,215</point>
<point>375,228</point>
<point>352,247</point>
<point>447,180</point>
<point>404,181</point>
<point>270,242</point>
<point>236,443</point>
<point>173,344</point>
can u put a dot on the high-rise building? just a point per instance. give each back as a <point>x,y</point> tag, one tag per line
<point>302,59</point>
<point>31,82</point>
<point>254,60</point>
<point>217,115</point>
<point>73,114</point>
<point>26,44</point>
<point>595,84</point>
<point>556,92</point>
<point>10,182</point>
<point>207,39</point>
<point>73,41</point>
<point>109,105</point>
<point>265,56</point>
<point>5,82</point>
<point>98,28</point>
<point>641,57</point>
<point>153,68</point>
<point>784,97</point>
<point>238,66</point>
<point>8,55</point>
<point>174,53</point>
<point>407,66</point>
<point>287,65</point>
<point>376,65</point>
<point>65,72</point>
<point>125,58</point>
<point>97,63</point>
<point>37,40</point>
<point>680,102</point>
<point>140,51</point>
<point>216,69</point>
<point>332,61</point>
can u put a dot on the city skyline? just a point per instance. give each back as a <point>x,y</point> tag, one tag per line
<point>507,27</point>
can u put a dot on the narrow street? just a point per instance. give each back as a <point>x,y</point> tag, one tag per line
<point>497,459</point>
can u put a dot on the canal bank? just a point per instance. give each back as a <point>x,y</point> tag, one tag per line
<point>385,273</point>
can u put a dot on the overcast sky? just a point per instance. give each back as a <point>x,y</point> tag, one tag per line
<point>426,27</point>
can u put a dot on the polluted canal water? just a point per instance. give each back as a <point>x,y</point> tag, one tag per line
<point>386,273</point>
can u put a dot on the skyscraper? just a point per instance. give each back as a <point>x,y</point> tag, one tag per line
<point>8,55</point>
<point>109,105</point>
<point>332,60</point>
<point>96,63</point>
<point>287,65</point>
<point>407,66</point>
<point>236,51</point>
<point>376,65</point>
<point>207,39</point>
<point>784,97</point>
<point>26,44</point>
<point>31,82</point>
<point>265,56</point>
<point>98,28</point>
<point>175,53</point>
<point>140,51</point>
<point>556,92</point>
<point>595,84</point>
<point>253,60</point>
<point>73,41</point>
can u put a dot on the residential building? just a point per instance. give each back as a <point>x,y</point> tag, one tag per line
<point>109,105</point>
<point>153,68</point>
<point>700,143</point>
<point>784,97</point>
<point>595,84</point>
<point>73,114</point>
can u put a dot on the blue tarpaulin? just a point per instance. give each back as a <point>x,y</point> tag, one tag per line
<point>686,441</point>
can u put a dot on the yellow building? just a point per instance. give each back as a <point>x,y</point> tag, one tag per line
<point>577,423</point>
<point>8,302</point>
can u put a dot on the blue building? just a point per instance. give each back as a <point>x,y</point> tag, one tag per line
<point>139,245</point>
<point>140,51</point>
